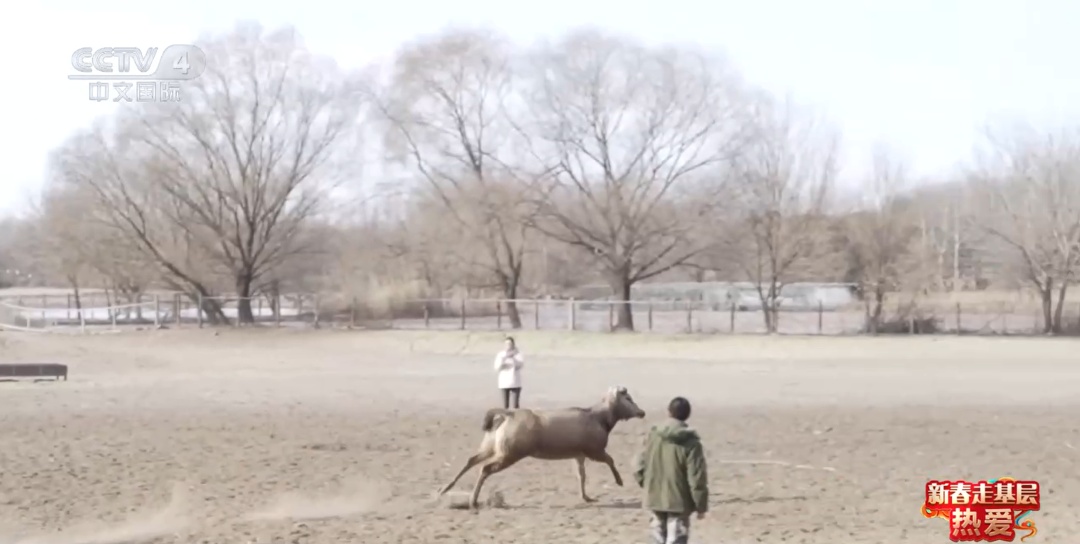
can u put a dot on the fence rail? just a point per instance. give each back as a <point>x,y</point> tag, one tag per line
<point>65,312</point>
<point>680,316</point>
<point>60,313</point>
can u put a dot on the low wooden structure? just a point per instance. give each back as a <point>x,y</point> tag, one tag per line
<point>34,370</point>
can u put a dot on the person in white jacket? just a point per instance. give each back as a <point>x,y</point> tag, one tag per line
<point>508,365</point>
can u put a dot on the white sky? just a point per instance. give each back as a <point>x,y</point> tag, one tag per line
<point>922,76</point>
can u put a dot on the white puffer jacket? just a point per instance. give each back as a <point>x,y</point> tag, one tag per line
<point>509,365</point>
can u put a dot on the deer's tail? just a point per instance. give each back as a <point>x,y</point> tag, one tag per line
<point>494,417</point>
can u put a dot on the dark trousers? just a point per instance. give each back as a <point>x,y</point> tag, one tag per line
<point>511,393</point>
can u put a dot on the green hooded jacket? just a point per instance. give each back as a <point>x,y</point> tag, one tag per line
<point>671,469</point>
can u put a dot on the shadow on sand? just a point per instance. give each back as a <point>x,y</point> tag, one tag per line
<point>620,505</point>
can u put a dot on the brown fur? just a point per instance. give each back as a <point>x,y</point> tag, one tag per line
<point>571,433</point>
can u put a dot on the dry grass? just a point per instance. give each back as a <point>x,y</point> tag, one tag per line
<point>322,437</point>
<point>991,301</point>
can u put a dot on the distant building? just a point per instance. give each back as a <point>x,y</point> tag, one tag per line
<point>743,295</point>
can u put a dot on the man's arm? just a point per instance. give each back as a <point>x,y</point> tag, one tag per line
<point>639,461</point>
<point>697,475</point>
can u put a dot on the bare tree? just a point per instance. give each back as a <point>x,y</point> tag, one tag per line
<point>787,172</point>
<point>447,105</point>
<point>636,142</point>
<point>1027,190</point>
<point>240,164</point>
<point>62,242</point>
<point>881,236</point>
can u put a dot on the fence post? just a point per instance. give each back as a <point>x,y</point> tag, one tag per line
<point>536,314</point>
<point>67,305</point>
<point>462,311</point>
<point>198,308</point>
<point>820,314</point>
<point>427,316</point>
<point>157,311</point>
<point>958,327</point>
<point>611,317</point>
<point>689,317</point>
<point>112,316</point>
<point>573,314</point>
<point>650,309</point>
<point>498,314</point>
<point>731,325</point>
<point>176,308</point>
<point>44,305</point>
<point>315,308</point>
<point>299,306</point>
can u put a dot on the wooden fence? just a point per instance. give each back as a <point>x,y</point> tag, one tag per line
<point>55,312</point>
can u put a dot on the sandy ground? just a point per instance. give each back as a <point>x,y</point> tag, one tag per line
<point>241,436</point>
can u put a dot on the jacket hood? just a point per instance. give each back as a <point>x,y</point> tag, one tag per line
<point>677,432</point>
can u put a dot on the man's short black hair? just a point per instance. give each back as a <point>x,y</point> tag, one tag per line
<point>679,408</point>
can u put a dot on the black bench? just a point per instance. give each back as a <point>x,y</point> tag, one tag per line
<point>39,370</point>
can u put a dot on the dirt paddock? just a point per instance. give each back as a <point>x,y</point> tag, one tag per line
<point>237,436</point>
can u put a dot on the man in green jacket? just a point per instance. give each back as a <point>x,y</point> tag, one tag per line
<point>672,471</point>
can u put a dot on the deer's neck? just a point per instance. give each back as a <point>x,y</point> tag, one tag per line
<point>604,416</point>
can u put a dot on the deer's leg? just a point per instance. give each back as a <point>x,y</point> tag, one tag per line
<point>490,467</point>
<point>603,457</point>
<point>581,479</point>
<point>472,462</point>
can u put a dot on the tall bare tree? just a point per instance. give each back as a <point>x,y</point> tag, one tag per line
<point>636,142</point>
<point>62,242</point>
<point>1027,190</point>
<point>243,161</point>
<point>786,175</point>
<point>880,237</point>
<point>117,191</point>
<point>447,105</point>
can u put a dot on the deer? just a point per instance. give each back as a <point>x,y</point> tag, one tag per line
<point>511,435</point>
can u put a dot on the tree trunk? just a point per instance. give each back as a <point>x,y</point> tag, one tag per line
<point>194,290</point>
<point>275,298</point>
<point>1059,312</point>
<point>510,291</point>
<point>212,309</point>
<point>770,306</point>
<point>1046,296</point>
<point>136,298</point>
<point>244,315</point>
<point>78,297</point>
<point>624,315</point>
<point>879,304</point>
<point>109,304</point>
